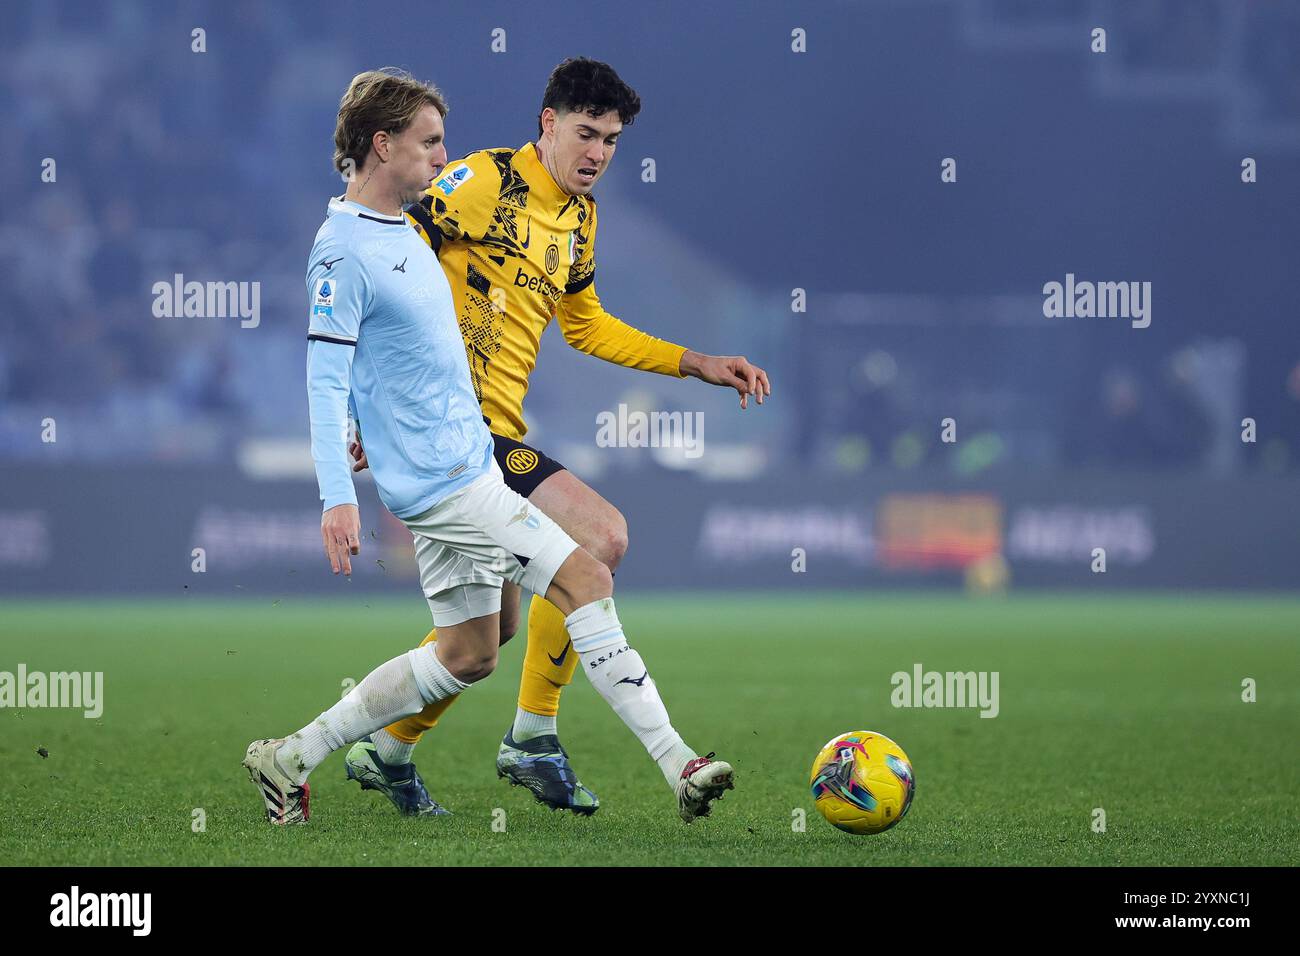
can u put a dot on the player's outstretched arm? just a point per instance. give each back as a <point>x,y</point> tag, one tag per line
<point>587,327</point>
<point>590,329</point>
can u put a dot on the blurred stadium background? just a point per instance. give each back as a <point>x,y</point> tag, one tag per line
<point>774,171</point>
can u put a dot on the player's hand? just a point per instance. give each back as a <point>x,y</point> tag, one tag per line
<point>359,456</point>
<point>731,371</point>
<point>340,527</point>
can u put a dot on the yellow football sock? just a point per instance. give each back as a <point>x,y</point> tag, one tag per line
<point>549,662</point>
<point>409,729</point>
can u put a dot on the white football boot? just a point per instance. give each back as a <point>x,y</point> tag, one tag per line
<point>286,802</point>
<point>703,780</point>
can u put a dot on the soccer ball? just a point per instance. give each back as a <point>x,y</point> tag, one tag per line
<point>862,782</point>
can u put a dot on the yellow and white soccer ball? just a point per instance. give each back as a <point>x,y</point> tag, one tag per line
<point>862,782</point>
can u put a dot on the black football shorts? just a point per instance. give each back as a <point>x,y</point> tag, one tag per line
<point>523,466</point>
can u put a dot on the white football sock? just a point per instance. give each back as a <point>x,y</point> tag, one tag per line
<point>391,750</point>
<point>619,675</point>
<point>393,690</point>
<point>434,680</point>
<point>529,725</point>
<point>674,762</point>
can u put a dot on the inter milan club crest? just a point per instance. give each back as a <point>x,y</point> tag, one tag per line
<point>520,461</point>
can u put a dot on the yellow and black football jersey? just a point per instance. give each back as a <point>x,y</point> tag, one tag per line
<point>519,251</point>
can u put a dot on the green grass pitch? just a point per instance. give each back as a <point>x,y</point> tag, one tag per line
<point>1131,704</point>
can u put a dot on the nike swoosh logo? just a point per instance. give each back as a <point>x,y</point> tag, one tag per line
<point>633,680</point>
<point>557,661</point>
<point>528,234</point>
<point>330,265</point>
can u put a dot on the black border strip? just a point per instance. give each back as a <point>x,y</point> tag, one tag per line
<point>317,337</point>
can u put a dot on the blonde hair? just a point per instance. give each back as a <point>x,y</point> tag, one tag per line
<point>387,99</point>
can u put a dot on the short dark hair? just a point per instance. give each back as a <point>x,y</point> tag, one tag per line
<point>589,86</point>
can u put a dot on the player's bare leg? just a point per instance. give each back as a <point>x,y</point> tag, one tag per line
<point>582,590</point>
<point>530,753</point>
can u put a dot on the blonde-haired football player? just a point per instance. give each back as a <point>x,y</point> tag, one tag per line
<point>383,342</point>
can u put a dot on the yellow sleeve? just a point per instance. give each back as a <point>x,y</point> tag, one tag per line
<point>589,328</point>
<point>461,203</point>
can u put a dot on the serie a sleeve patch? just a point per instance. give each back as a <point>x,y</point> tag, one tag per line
<point>322,300</point>
<point>453,178</point>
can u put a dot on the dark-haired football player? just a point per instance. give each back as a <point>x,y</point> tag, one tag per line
<point>515,233</point>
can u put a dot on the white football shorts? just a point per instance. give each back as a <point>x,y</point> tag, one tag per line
<point>472,540</point>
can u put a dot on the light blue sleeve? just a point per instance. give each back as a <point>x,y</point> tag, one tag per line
<point>340,294</point>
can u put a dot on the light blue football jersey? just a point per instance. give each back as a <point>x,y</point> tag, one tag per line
<point>383,340</point>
